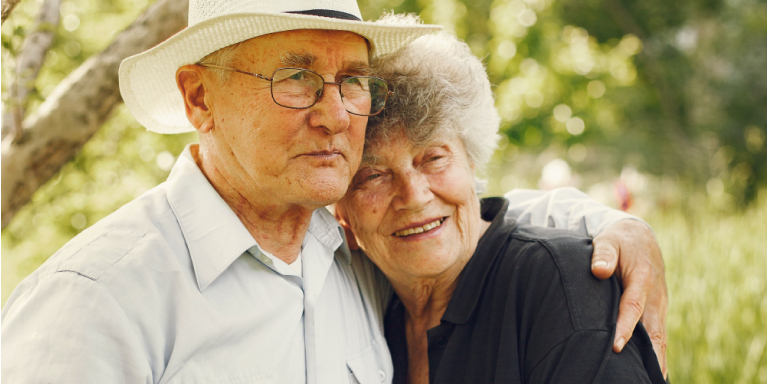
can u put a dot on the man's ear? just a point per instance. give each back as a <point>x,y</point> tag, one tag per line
<point>189,79</point>
<point>341,215</point>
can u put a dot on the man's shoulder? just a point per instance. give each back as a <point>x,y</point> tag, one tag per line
<point>147,222</point>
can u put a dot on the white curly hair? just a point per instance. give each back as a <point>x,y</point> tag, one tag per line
<point>441,90</point>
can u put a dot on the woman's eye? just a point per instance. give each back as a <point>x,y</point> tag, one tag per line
<point>368,179</point>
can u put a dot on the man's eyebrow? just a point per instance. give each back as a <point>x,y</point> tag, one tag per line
<point>358,68</point>
<point>306,59</point>
<point>297,59</point>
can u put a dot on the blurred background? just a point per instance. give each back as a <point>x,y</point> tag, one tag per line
<point>655,107</point>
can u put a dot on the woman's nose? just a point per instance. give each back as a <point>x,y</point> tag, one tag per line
<point>413,192</point>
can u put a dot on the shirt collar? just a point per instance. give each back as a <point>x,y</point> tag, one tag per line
<point>329,233</point>
<point>215,236</point>
<point>472,279</point>
<point>324,228</point>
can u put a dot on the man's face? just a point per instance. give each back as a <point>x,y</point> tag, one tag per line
<point>287,157</point>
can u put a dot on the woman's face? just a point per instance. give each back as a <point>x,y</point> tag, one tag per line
<point>414,210</point>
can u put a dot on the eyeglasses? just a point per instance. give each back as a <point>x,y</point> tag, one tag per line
<point>299,88</point>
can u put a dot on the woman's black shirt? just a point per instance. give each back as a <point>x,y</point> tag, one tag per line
<point>527,309</point>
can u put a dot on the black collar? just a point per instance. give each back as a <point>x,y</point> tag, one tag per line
<point>472,278</point>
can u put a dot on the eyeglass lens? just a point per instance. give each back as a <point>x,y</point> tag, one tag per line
<point>298,88</point>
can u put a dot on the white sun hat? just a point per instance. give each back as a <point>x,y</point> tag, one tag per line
<point>148,80</point>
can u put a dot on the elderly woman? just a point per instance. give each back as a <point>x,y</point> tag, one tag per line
<point>479,298</point>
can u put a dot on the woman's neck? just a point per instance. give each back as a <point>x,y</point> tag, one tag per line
<point>425,303</point>
<point>426,299</point>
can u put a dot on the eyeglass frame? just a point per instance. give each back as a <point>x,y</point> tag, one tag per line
<point>322,90</point>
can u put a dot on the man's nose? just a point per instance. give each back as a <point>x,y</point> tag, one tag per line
<point>329,112</point>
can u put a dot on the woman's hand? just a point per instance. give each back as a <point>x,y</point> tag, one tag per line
<point>631,246</point>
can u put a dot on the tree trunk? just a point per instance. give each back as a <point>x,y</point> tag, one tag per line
<point>8,6</point>
<point>78,107</point>
<point>28,64</point>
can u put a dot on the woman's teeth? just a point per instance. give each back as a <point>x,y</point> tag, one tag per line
<point>417,230</point>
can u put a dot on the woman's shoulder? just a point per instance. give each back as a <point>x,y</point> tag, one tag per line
<point>557,263</point>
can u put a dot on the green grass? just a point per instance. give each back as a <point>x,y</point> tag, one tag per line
<point>716,275</point>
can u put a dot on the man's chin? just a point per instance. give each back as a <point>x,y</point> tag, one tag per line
<point>323,186</point>
<point>322,195</point>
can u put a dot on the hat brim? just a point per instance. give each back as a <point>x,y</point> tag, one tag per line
<point>148,80</point>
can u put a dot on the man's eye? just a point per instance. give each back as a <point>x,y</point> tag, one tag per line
<point>372,176</point>
<point>300,75</point>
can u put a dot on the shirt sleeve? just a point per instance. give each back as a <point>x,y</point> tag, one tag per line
<point>67,328</point>
<point>565,208</point>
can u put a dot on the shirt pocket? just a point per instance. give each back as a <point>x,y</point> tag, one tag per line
<point>372,365</point>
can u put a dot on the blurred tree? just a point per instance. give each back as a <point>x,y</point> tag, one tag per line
<point>8,6</point>
<point>76,109</point>
<point>28,64</point>
<point>700,95</point>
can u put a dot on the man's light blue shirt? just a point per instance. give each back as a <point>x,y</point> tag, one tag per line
<point>172,288</point>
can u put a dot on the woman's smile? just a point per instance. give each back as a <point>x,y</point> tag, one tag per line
<point>419,229</point>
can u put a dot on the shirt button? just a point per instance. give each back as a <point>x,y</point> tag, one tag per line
<point>382,375</point>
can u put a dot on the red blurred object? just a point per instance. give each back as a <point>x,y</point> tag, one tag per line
<point>623,196</point>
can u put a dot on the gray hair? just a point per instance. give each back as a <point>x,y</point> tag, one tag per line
<point>441,91</point>
<point>223,57</point>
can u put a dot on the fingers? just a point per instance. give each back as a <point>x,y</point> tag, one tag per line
<point>605,256</point>
<point>655,322</point>
<point>659,340</point>
<point>630,247</point>
<point>631,309</point>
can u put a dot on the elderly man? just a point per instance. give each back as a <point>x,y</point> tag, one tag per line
<point>231,271</point>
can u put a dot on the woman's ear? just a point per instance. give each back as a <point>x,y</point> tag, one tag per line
<point>341,215</point>
<point>189,80</point>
